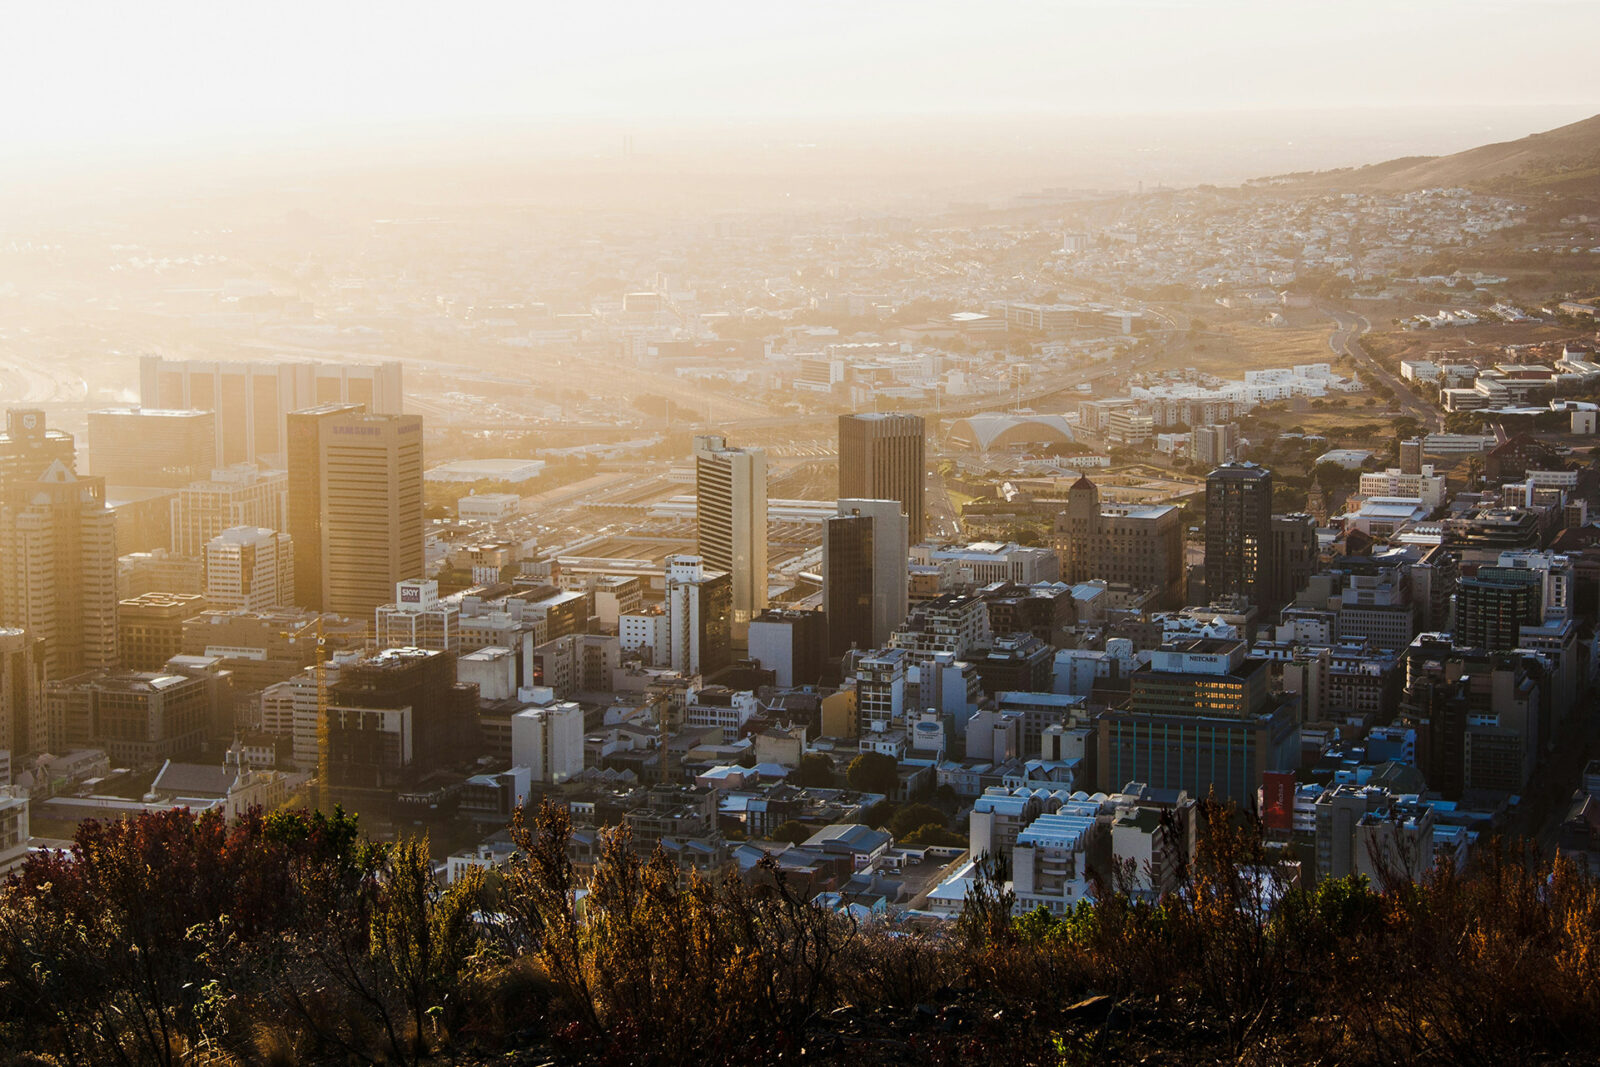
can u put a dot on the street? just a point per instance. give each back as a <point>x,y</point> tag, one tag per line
<point>1346,340</point>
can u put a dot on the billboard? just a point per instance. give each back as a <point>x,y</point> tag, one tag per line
<point>1277,800</point>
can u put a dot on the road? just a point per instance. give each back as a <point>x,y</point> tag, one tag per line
<point>944,521</point>
<point>1346,340</point>
<point>27,381</point>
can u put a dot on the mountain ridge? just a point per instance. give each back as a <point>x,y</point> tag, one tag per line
<point>1564,161</point>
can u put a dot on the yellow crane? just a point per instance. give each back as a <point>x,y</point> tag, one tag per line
<point>324,792</point>
<point>321,797</point>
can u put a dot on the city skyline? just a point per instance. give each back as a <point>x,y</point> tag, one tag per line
<point>718,534</point>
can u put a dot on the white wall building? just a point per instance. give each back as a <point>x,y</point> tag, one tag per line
<point>699,615</point>
<point>718,706</point>
<point>548,741</point>
<point>249,568</point>
<point>492,670</point>
<point>1427,487</point>
<point>418,618</point>
<point>1049,863</point>
<point>488,507</point>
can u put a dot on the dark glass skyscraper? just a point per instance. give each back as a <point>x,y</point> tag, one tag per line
<point>883,457</point>
<point>1239,532</point>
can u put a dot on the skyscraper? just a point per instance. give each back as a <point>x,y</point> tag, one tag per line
<point>152,446</point>
<point>253,400</point>
<point>1494,604</point>
<point>864,569</point>
<point>249,568</point>
<point>241,495</point>
<point>23,727</point>
<point>28,447</point>
<point>1239,532</point>
<point>355,506</point>
<point>882,457</point>
<point>58,568</point>
<point>699,616</point>
<point>731,509</point>
<point>1294,556</point>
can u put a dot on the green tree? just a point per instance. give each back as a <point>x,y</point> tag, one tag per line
<point>423,937</point>
<point>873,772</point>
<point>914,817</point>
<point>933,834</point>
<point>816,770</point>
<point>793,831</point>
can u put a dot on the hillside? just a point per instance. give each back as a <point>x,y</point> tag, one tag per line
<point>1564,161</point>
<point>176,940</point>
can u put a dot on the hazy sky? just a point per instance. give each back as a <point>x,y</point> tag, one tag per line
<point>84,74</point>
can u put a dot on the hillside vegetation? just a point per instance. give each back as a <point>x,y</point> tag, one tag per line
<point>287,938</point>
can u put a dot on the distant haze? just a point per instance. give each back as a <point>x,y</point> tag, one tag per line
<point>920,98</point>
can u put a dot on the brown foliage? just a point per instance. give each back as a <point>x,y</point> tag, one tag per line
<point>137,951</point>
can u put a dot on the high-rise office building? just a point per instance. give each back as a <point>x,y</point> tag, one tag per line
<point>253,400</point>
<point>883,457</point>
<point>731,510</point>
<point>28,447</point>
<point>1294,556</point>
<point>249,568</point>
<point>355,506</point>
<point>1137,544</point>
<point>395,716</point>
<point>864,573</point>
<point>1239,532</point>
<point>23,727</point>
<point>1493,605</point>
<point>1200,716</point>
<point>58,568</point>
<point>152,446</point>
<point>150,628</point>
<point>241,495</point>
<point>699,616</point>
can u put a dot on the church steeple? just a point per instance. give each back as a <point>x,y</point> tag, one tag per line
<point>1317,502</point>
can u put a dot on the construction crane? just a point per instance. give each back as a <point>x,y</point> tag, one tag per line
<point>321,797</point>
<point>663,728</point>
<point>324,790</point>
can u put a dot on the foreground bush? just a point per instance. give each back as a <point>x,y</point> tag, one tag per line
<point>174,939</point>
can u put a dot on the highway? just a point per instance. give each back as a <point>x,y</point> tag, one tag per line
<point>24,381</point>
<point>1346,340</point>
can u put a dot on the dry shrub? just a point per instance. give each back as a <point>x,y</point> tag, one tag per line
<point>896,967</point>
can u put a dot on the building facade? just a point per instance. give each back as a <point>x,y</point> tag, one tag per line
<point>152,446</point>
<point>699,608</point>
<point>241,495</point>
<point>864,574</point>
<point>1239,533</point>
<point>253,400</point>
<point>883,457</point>
<point>355,506</point>
<point>58,568</point>
<point>249,568</point>
<point>731,521</point>
<point>1141,546</point>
